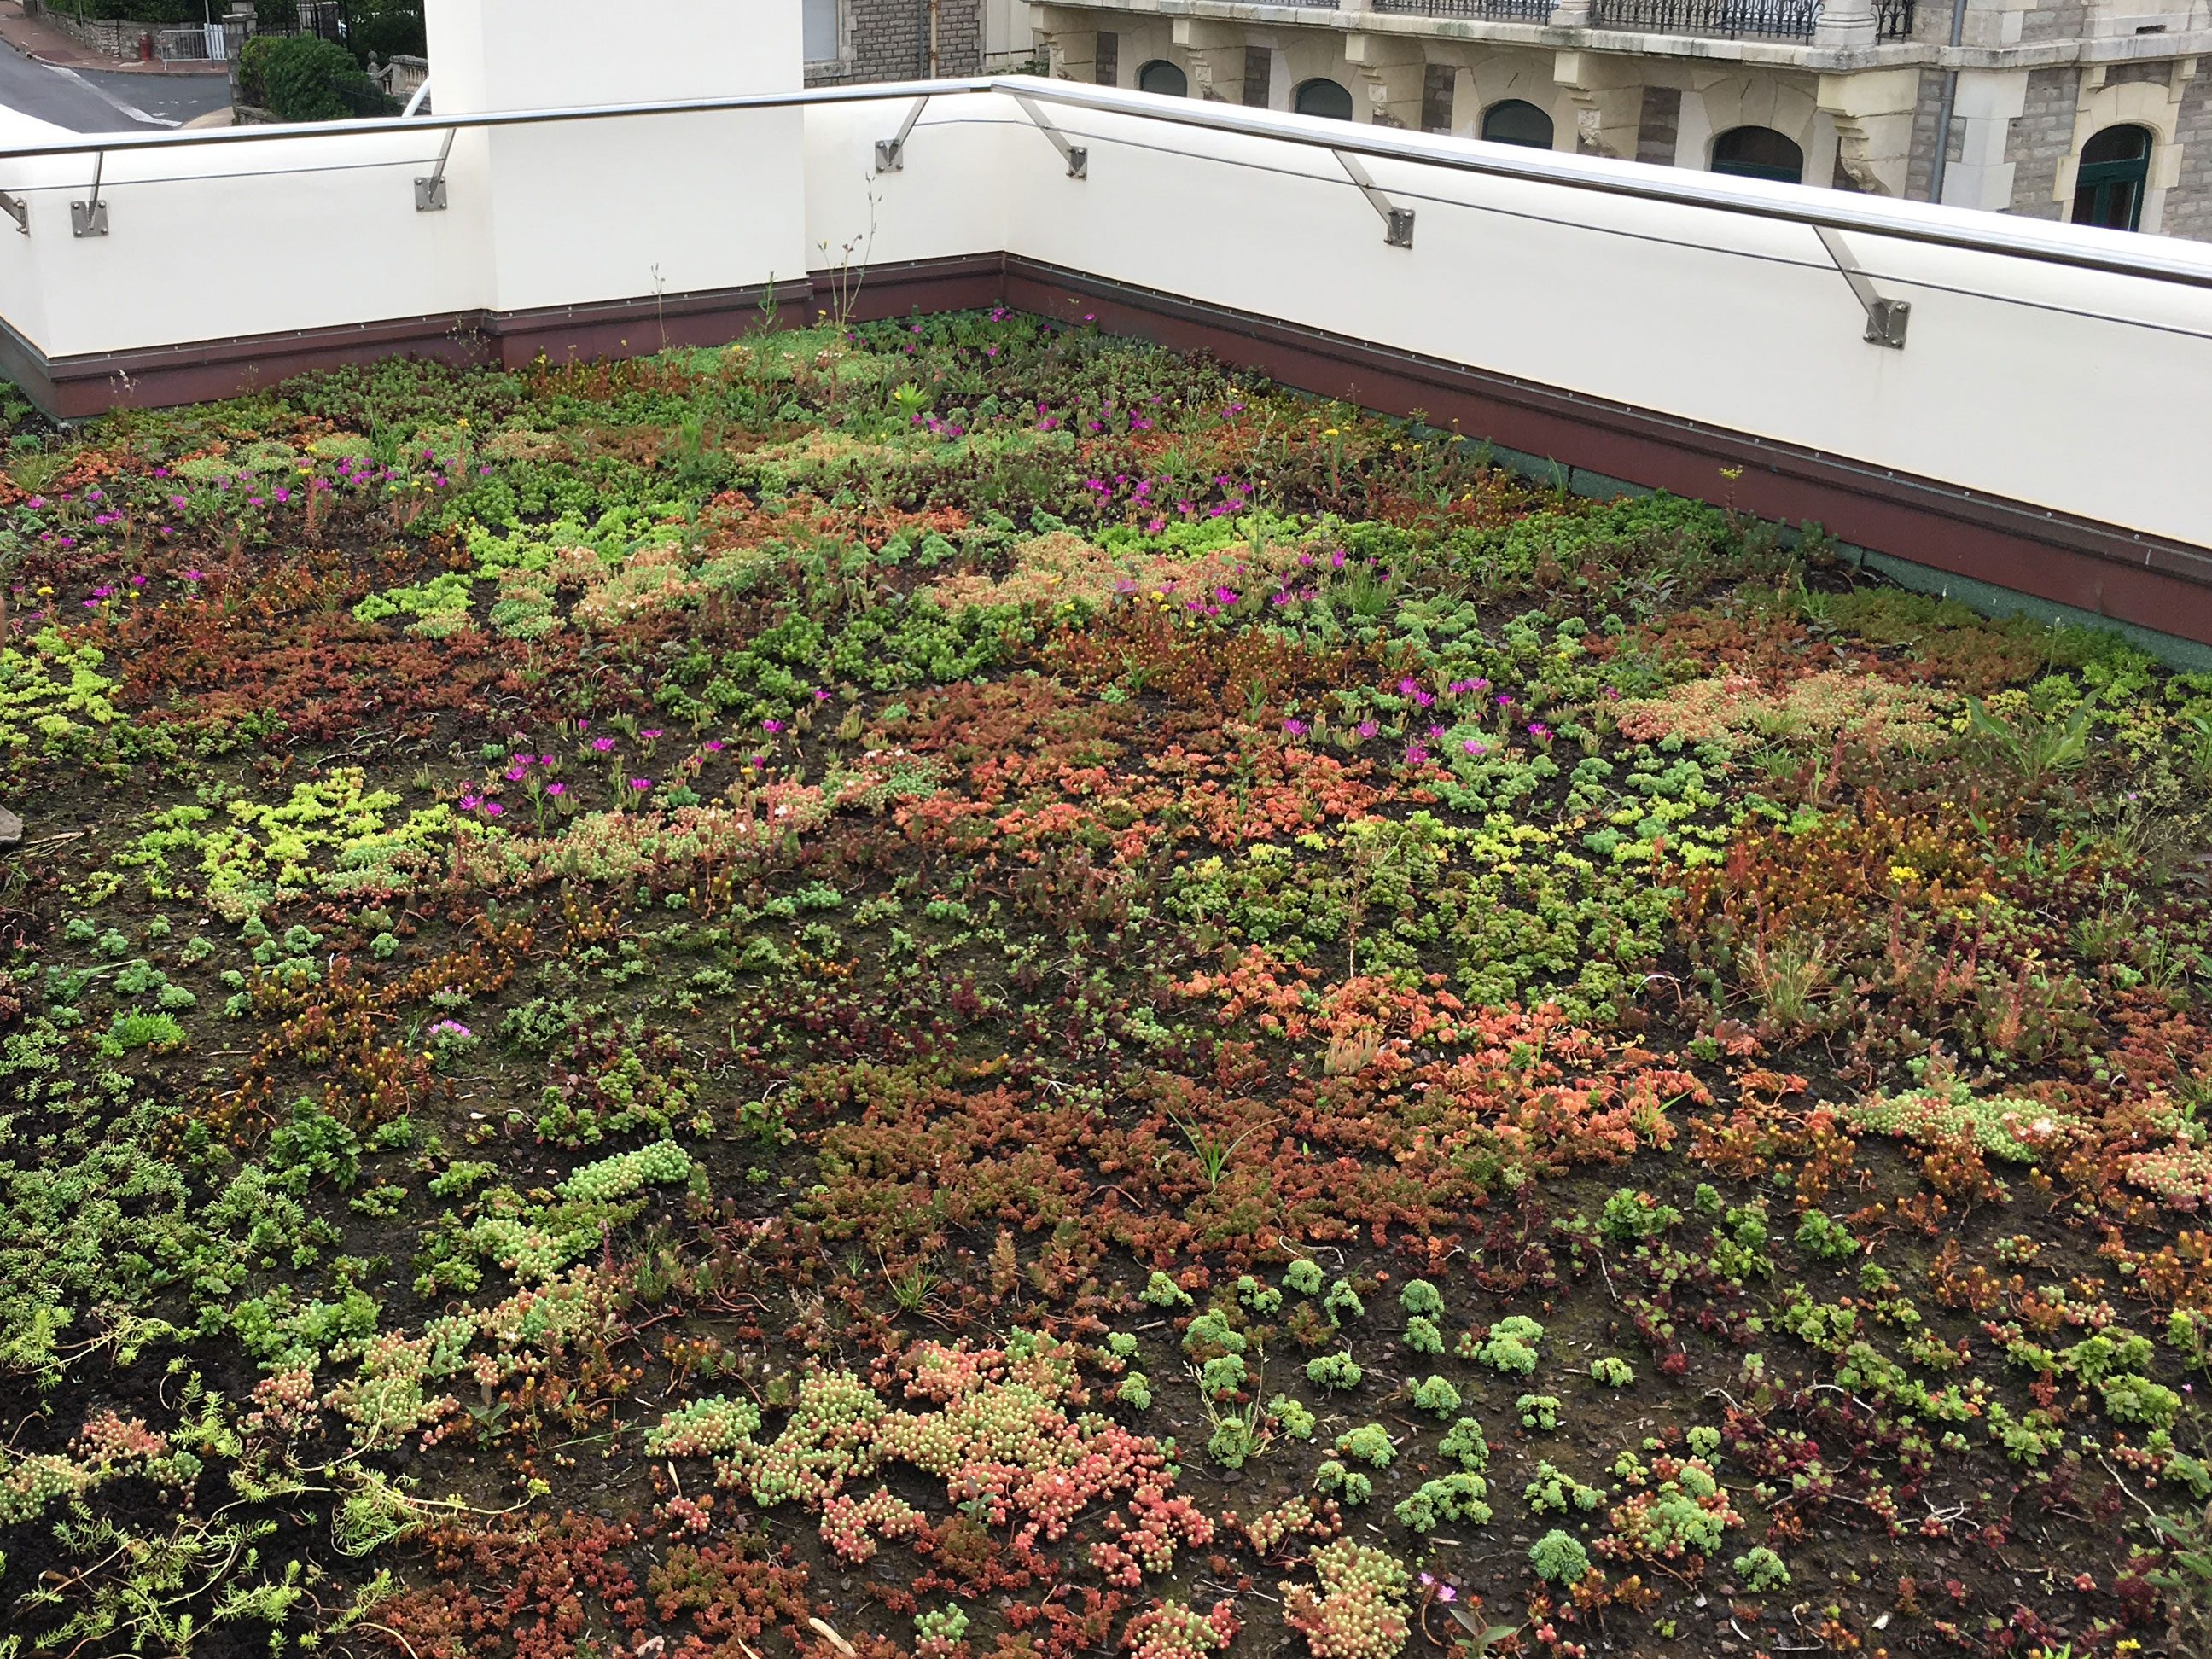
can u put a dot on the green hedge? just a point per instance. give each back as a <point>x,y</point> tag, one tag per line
<point>297,77</point>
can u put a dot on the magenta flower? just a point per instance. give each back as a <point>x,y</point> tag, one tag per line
<point>557,789</point>
<point>771,726</point>
<point>1295,728</point>
<point>602,743</point>
<point>714,746</point>
<point>640,783</point>
<point>1365,728</point>
<point>1474,748</point>
<point>195,575</point>
<point>493,808</point>
<point>653,732</point>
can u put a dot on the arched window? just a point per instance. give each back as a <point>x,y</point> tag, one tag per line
<point>1515,122</point>
<point>1161,77</point>
<point>1322,97</point>
<point>2108,189</point>
<point>1759,153</point>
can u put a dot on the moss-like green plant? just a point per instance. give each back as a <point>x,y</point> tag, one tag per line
<point>1558,1558</point>
<point>1369,1442</point>
<point>1264,1300</point>
<point>1334,1371</point>
<point>1454,1496</point>
<point>1420,1298</point>
<point>2137,1400</point>
<point>1435,1394</point>
<point>1464,1443</point>
<point>1761,1569</point>
<point>1163,1292</point>
<point>1511,1346</point>
<point>1612,1371</point>
<point>1552,1491</point>
<point>1348,1485</point>
<point>1825,1239</point>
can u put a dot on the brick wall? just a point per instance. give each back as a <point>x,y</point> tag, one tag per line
<point>886,40</point>
<point>2067,20</point>
<point>1920,165</point>
<point>2189,201</point>
<point>2040,139</point>
<point>1659,125</point>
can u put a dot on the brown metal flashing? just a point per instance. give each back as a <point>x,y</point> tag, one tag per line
<point>71,388</point>
<point>2098,567</point>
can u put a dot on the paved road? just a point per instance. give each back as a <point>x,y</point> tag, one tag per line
<point>106,101</point>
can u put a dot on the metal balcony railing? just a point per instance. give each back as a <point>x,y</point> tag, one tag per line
<point>1775,20</point>
<point>1892,20</point>
<point>1517,11</point>
<point>1772,20</point>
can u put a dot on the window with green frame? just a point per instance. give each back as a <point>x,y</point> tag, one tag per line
<point>2108,187</point>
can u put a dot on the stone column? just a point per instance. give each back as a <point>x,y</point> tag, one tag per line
<point>1873,114</point>
<point>1069,39</point>
<point>1390,70</point>
<point>1988,102</point>
<point>1607,91</point>
<point>1216,56</point>
<point>1845,26</point>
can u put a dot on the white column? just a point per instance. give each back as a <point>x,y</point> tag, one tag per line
<point>632,208</point>
<point>1990,101</point>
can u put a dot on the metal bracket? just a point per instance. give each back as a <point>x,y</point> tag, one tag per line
<point>431,192</point>
<point>890,153</point>
<point>1397,222</point>
<point>89,218</point>
<point>18,210</point>
<point>1076,157</point>
<point>1886,319</point>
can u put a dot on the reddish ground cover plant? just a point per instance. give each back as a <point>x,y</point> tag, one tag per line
<point>958,991</point>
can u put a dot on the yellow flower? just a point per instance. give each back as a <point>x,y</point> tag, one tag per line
<point>1903,872</point>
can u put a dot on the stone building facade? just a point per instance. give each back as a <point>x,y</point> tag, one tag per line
<point>849,41</point>
<point>2087,110</point>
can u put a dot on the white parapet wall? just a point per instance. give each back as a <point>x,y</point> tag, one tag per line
<point>2074,390</point>
<point>2024,379</point>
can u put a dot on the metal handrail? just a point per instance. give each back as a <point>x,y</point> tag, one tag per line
<point>1964,230</point>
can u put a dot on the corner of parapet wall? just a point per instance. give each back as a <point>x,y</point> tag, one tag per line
<point>2185,655</point>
